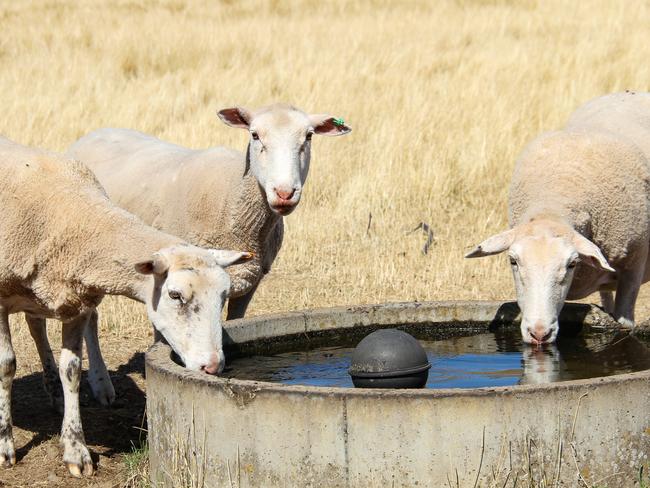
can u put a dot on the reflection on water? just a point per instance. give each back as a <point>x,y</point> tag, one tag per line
<point>585,357</point>
<point>483,360</point>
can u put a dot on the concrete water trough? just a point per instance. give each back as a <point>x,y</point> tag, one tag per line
<point>212,431</point>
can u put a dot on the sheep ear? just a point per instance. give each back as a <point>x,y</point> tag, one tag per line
<point>590,253</point>
<point>493,245</point>
<point>237,117</point>
<point>326,125</point>
<point>229,258</point>
<point>158,264</point>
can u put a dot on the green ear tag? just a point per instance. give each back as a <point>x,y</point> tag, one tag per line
<point>339,122</point>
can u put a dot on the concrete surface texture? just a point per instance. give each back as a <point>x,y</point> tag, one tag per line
<point>210,431</point>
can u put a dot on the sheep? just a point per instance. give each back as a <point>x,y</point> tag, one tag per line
<point>66,246</point>
<point>579,214</point>
<point>211,197</point>
<point>216,196</point>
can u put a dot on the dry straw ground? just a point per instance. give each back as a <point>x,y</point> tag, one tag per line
<point>441,97</point>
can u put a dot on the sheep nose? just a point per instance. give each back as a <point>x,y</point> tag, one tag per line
<point>284,195</point>
<point>215,366</point>
<point>540,333</point>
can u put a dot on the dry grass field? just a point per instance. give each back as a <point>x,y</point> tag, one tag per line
<point>441,97</point>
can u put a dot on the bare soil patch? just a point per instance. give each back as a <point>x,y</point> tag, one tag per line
<point>110,433</point>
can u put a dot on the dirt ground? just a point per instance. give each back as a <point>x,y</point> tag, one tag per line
<point>110,432</point>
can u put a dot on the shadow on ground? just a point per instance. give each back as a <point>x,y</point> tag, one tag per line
<point>110,432</point>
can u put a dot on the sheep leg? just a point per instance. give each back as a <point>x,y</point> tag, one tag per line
<point>607,301</point>
<point>627,290</point>
<point>51,381</point>
<point>7,373</point>
<point>100,381</point>
<point>75,453</point>
<point>237,306</point>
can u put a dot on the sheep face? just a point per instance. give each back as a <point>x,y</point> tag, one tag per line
<point>543,270</point>
<point>185,302</point>
<point>279,148</point>
<point>543,258</point>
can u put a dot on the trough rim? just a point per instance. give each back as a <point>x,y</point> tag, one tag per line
<point>158,359</point>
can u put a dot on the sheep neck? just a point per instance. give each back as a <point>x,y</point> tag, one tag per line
<point>111,262</point>
<point>252,220</point>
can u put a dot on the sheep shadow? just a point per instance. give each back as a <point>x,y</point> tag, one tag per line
<point>116,429</point>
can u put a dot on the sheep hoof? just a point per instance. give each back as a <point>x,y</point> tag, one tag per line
<point>102,388</point>
<point>74,470</point>
<point>8,461</point>
<point>106,399</point>
<point>89,469</point>
<point>78,472</point>
<point>625,322</point>
<point>77,460</point>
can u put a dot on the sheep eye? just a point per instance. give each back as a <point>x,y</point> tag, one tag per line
<point>176,295</point>
<point>572,264</point>
<point>513,262</point>
<point>255,136</point>
<point>308,136</point>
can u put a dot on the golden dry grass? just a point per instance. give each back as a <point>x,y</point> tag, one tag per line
<point>441,97</point>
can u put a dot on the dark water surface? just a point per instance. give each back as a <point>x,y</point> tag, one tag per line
<point>483,360</point>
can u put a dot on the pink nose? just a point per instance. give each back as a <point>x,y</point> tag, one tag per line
<point>284,195</point>
<point>539,332</point>
<point>213,366</point>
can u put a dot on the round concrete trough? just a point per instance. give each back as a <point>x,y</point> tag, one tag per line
<point>211,432</point>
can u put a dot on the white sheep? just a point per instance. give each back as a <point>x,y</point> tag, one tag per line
<point>215,197</point>
<point>65,246</point>
<point>580,214</point>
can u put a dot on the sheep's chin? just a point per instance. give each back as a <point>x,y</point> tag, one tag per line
<point>283,209</point>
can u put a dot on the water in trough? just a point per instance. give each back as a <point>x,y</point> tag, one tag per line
<point>483,360</point>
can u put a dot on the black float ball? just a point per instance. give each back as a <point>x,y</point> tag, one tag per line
<point>389,358</point>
